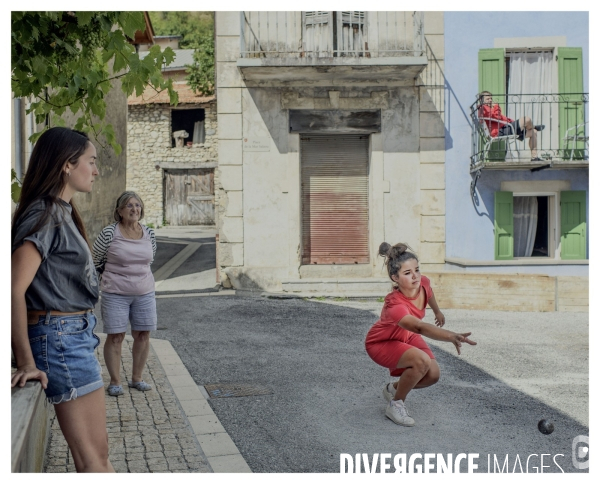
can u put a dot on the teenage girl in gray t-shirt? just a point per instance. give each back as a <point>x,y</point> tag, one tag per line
<point>54,290</point>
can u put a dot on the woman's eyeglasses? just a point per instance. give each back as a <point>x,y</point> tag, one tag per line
<point>131,205</point>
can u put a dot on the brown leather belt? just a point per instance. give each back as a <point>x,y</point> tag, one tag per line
<point>34,316</point>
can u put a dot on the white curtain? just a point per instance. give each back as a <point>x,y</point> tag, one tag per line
<point>525,216</point>
<point>198,136</point>
<point>530,81</point>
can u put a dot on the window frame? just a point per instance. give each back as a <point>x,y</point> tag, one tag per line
<point>553,222</point>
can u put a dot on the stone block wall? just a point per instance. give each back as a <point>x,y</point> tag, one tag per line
<point>149,145</point>
<point>229,193</point>
<point>432,147</point>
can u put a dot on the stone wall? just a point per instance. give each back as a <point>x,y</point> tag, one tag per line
<point>149,146</point>
<point>97,207</point>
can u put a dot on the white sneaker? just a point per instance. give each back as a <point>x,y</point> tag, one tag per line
<point>396,412</point>
<point>389,392</point>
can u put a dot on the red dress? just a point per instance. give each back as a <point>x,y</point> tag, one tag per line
<point>386,341</point>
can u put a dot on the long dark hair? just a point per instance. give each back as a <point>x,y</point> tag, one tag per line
<point>46,178</point>
<point>395,256</point>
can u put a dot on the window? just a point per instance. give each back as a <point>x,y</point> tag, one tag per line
<point>334,33</point>
<point>551,225</point>
<point>544,84</point>
<point>191,121</point>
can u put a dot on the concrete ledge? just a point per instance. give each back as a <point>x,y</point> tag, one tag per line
<point>528,261</point>
<point>30,427</point>
<point>461,290</point>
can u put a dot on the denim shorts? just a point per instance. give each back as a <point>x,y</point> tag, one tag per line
<point>63,347</point>
<point>509,129</point>
<point>119,309</point>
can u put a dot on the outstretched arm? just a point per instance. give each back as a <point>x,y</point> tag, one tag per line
<point>417,326</point>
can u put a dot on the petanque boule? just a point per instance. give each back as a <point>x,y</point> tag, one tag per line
<point>545,427</point>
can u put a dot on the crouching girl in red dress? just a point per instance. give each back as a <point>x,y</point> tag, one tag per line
<point>395,341</point>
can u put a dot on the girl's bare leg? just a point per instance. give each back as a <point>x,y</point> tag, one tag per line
<point>83,423</point>
<point>417,364</point>
<point>430,378</point>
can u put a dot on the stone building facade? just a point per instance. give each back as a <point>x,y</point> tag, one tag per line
<point>301,93</point>
<point>150,150</point>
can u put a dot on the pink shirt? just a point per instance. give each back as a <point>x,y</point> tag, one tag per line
<point>127,269</point>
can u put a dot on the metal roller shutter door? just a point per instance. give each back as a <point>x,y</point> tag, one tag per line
<point>335,199</point>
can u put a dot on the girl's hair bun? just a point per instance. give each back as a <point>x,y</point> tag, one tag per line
<point>401,249</point>
<point>384,249</point>
<point>395,256</point>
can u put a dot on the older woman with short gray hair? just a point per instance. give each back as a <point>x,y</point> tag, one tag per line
<point>123,253</point>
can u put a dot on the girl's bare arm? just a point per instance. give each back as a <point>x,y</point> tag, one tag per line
<point>429,330</point>
<point>440,319</point>
<point>25,262</point>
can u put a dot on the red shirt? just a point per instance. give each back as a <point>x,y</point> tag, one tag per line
<point>496,113</point>
<point>395,307</point>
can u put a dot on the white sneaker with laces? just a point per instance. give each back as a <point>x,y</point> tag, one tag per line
<point>389,392</point>
<point>396,412</point>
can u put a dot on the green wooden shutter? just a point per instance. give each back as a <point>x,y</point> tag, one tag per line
<point>572,224</point>
<point>571,108</point>
<point>503,226</point>
<point>492,77</point>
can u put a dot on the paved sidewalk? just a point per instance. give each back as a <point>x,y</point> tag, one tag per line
<point>171,428</point>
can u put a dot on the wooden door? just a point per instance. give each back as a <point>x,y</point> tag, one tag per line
<point>190,196</point>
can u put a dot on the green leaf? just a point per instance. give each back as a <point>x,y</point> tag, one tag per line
<point>58,121</point>
<point>168,55</point>
<point>120,62</point>
<point>131,22</point>
<point>39,65</point>
<point>34,137</point>
<point>84,18</point>
<point>15,192</point>
<point>107,54</point>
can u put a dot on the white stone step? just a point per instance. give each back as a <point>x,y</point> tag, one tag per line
<point>341,287</point>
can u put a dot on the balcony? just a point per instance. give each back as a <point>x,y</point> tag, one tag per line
<point>563,143</point>
<point>326,46</point>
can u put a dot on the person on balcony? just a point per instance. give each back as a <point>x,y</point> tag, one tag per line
<point>504,126</point>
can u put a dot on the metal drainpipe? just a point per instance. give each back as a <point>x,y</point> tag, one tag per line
<point>18,139</point>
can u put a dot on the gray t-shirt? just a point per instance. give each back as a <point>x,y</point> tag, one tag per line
<point>66,279</point>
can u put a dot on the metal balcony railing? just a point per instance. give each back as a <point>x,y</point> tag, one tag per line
<point>331,34</point>
<point>565,136</point>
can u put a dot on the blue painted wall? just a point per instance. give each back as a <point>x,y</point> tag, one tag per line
<point>469,225</point>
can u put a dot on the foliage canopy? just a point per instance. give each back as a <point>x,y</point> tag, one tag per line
<point>67,60</point>
<point>197,32</point>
